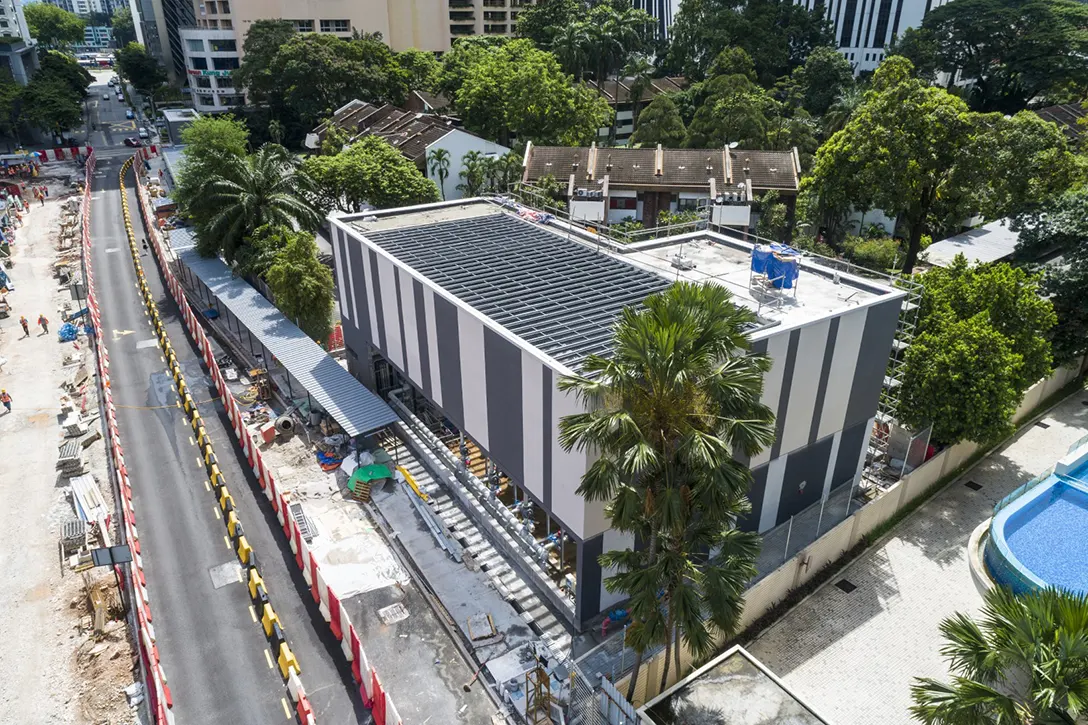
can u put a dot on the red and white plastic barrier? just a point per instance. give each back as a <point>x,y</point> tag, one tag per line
<point>158,691</point>
<point>366,677</point>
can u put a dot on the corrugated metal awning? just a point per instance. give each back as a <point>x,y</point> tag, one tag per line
<point>355,408</point>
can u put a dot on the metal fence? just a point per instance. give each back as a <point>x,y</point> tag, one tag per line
<point>1022,489</point>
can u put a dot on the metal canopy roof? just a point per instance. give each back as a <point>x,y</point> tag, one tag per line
<point>987,243</point>
<point>555,294</point>
<point>356,409</point>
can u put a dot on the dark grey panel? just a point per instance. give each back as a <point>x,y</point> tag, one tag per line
<point>850,444</point>
<point>400,318</point>
<point>803,481</point>
<point>755,495</point>
<point>549,435</point>
<point>876,346</point>
<point>379,311</point>
<point>449,359</point>
<point>825,375</point>
<point>784,396</point>
<point>588,587</point>
<point>421,333</point>
<point>502,361</point>
<point>353,256</point>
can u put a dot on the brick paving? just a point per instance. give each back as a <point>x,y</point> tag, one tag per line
<point>853,656</point>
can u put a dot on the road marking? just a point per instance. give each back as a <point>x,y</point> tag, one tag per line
<point>225,539</point>
<point>208,487</point>
<point>253,616</point>
<point>111,250</point>
<point>191,441</point>
<point>199,461</point>
<point>144,344</point>
<point>268,659</point>
<point>216,510</point>
<point>118,334</point>
<point>162,358</point>
<point>286,710</point>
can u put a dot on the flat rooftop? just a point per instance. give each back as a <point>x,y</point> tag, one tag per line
<point>561,291</point>
<point>733,689</point>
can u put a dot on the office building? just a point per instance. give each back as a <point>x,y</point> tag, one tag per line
<point>480,307</point>
<point>662,11</point>
<point>18,51</point>
<point>96,38</point>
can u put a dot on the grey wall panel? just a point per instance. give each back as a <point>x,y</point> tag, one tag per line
<point>449,357</point>
<point>588,586</point>
<point>844,361</point>
<point>776,347</point>
<point>421,339</point>
<point>340,271</point>
<point>854,439</point>
<point>784,396</point>
<point>532,422</point>
<point>504,403</point>
<point>406,322</point>
<point>354,254</point>
<point>548,433</point>
<point>803,482</point>
<point>876,346</point>
<point>825,378</point>
<point>374,285</point>
<point>805,385</point>
<point>755,495</point>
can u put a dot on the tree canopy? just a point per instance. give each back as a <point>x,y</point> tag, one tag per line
<point>301,285</point>
<point>53,99</point>
<point>124,29</point>
<point>52,26</point>
<point>1014,50</point>
<point>917,152</point>
<point>660,123</point>
<point>422,69</point>
<point>263,40</point>
<point>824,77</point>
<point>516,88</point>
<point>369,171</point>
<point>981,342</point>
<point>141,68</point>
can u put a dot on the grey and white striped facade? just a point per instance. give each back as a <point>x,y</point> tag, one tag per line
<point>502,392</point>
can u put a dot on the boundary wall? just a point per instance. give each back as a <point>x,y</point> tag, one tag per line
<point>366,677</point>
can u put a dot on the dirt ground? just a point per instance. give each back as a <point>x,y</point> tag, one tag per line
<point>54,667</point>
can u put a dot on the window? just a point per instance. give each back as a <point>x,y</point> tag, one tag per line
<point>202,82</point>
<point>199,62</point>
<point>233,100</point>
<point>224,63</point>
<point>335,26</point>
<point>303,26</point>
<point>211,7</point>
<point>195,44</point>
<point>622,202</point>
<point>687,204</point>
<point>223,46</point>
<point>206,100</point>
<point>226,25</point>
<point>224,7</point>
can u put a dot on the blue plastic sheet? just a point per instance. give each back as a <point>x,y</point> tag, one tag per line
<point>767,259</point>
<point>67,332</point>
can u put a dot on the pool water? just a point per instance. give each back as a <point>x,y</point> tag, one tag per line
<point>1049,536</point>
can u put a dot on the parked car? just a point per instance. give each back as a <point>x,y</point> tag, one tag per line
<point>105,96</point>
<point>133,141</point>
<point>129,113</point>
<point>143,134</point>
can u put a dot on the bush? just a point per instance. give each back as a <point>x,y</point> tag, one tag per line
<point>811,244</point>
<point>879,255</point>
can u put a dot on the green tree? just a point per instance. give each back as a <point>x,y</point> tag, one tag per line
<point>10,106</point>
<point>518,89</point>
<point>732,62</point>
<point>614,35</point>
<point>263,41</point>
<point>212,143</point>
<point>421,69</point>
<point>571,48</point>
<point>124,29</point>
<point>50,104</point>
<point>260,250</point>
<point>736,109</point>
<point>916,151</point>
<point>824,77</point>
<point>51,26</point>
<point>541,22</point>
<point>65,69</point>
<point>660,123</point>
<point>1061,226</point>
<point>141,69</point>
<point>1022,660</point>
<point>464,55</point>
<point>369,171</point>
<point>316,73</point>
<point>1014,50</point>
<point>777,34</point>
<point>773,217</point>
<point>679,393</point>
<point>842,109</point>
<point>473,173</point>
<point>919,47</point>
<point>438,161</point>
<point>639,73</point>
<point>265,188</point>
<point>302,286</point>
<point>981,342</point>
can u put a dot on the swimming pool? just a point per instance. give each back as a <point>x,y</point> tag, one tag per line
<point>1040,539</point>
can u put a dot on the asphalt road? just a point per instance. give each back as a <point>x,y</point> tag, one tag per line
<point>214,653</point>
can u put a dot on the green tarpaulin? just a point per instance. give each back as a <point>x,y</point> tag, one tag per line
<point>373,472</point>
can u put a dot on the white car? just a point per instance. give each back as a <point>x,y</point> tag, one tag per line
<point>105,96</point>
<point>144,134</point>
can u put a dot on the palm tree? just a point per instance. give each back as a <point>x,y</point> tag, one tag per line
<point>472,173</point>
<point>640,71</point>
<point>263,188</point>
<point>509,167</point>
<point>678,395</point>
<point>569,47</point>
<point>842,109</point>
<point>439,163</point>
<point>1023,662</point>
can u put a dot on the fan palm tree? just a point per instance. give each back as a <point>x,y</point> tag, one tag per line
<point>473,173</point>
<point>842,109</point>
<point>438,161</point>
<point>1024,661</point>
<point>569,47</point>
<point>679,394</point>
<point>265,188</point>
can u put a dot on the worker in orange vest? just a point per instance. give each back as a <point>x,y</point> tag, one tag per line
<point>26,326</point>
<point>44,323</point>
<point>6,400</point>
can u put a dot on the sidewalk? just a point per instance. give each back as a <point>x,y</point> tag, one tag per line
<point>853,656</point>
<point>48,673</point>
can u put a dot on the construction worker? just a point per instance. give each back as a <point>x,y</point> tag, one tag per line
<point>44,322</point>
<point>26,326</point>
<point>6,400</point>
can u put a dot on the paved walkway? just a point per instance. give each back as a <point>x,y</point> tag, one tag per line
<point>853,657</point>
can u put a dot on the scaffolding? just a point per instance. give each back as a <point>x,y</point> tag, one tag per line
<point>538,693</point>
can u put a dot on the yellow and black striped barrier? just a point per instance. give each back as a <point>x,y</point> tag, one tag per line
<point>270,621</point>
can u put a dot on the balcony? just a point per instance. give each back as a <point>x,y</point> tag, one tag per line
<point>495,29</point>
<point>462,30</point>
<point>461,4</point>
<point>462,17</point>
<point>494,3</point>
<point>494,17</point>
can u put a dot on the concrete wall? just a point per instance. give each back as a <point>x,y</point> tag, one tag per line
<point>459,143</point>
<point>799,570</point>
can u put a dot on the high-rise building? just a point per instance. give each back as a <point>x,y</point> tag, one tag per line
<point>86,7</point>
<point>663,11</point>
<point>17,49</point>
